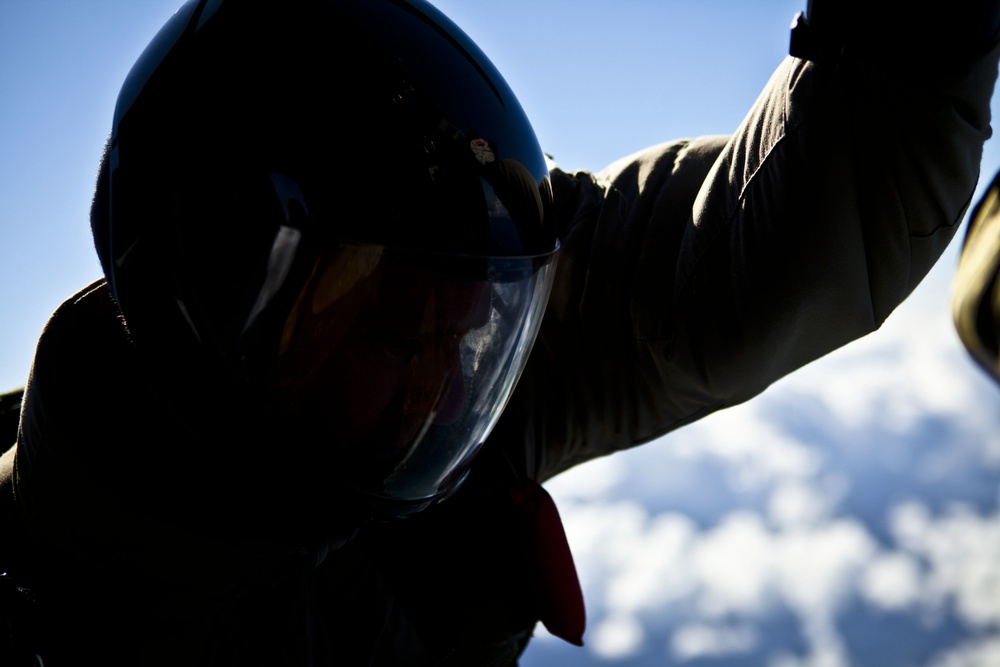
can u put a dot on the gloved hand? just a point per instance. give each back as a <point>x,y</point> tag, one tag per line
<point>937,33</point>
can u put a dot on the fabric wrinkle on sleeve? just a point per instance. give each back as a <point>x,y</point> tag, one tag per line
<point>831,228</point>
<point>696,273</point>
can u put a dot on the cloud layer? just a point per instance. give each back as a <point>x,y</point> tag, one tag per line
<point>848,516</point>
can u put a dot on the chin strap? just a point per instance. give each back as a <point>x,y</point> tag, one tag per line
<point>560,598</point>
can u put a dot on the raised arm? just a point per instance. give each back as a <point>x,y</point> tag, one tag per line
<point>696,273</point>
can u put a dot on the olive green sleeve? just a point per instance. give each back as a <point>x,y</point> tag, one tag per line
<point>696,273</point>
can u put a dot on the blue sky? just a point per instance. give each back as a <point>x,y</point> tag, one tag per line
<point>598,79</point>
<point>846,517</point>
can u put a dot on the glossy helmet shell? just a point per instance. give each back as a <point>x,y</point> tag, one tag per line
<point>348,121</point>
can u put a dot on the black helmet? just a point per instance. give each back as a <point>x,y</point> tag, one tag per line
<point>325,221</point>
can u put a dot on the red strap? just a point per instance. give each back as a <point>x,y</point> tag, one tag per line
<point>562,610</point>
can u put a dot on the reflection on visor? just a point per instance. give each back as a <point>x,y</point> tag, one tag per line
<point>398,365</point>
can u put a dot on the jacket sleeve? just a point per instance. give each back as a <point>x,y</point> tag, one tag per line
<point>696,273</point>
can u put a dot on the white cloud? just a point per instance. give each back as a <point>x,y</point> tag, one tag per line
<point>602,537</point>
<point>962,552</point>
<point>641,569</point>
<point>795,504</point>
<point>895,402</point>
<point>817,567</point>
<point>891,581</point>
<point>588,482</point>
<point>974,653</point>
<point>617,637</point>
<point>757,450</point>
<point>734,566</point>
<point>699,640</point>
<point>656,570</point>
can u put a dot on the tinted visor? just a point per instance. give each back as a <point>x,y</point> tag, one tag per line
<point>394,365</point>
